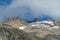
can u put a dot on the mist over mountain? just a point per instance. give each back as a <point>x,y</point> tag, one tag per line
<point>30,9</point>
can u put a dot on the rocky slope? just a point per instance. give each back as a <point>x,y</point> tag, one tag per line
<point>9,30</point>
<point>8,33</point>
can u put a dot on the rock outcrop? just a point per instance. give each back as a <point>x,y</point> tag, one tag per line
<point>9,33</point>
<point>15,22</point>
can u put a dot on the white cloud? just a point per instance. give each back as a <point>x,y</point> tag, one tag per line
<point>49,7</point>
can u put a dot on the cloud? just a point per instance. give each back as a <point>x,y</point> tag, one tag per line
<point>36,7</point>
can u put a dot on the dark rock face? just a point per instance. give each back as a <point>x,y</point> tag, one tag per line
<point>36,19</point>
<point>10,34</point>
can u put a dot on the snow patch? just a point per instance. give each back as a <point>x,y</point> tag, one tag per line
<point>22,28</point>
<point>54,27</point>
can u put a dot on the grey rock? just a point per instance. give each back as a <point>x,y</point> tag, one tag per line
<point>8,33</point>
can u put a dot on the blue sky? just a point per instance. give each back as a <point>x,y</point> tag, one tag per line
<point>30,9</point>
<point>5,2</point>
